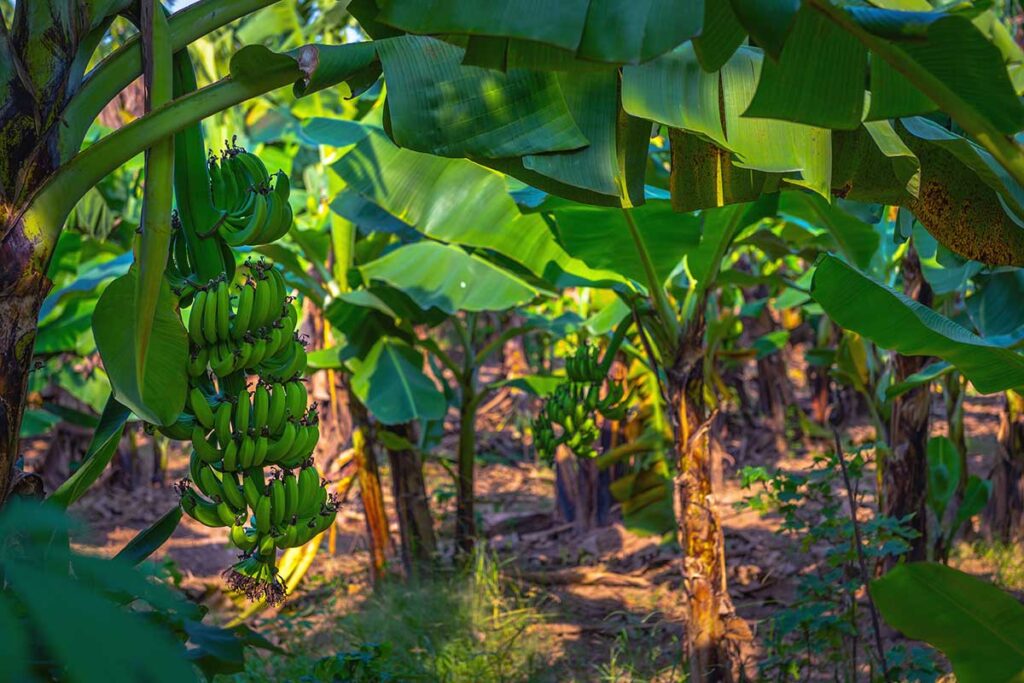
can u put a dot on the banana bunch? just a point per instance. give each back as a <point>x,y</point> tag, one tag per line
<point>285,512</point>
<point>253,212</point>
<point>574,407</point>
<point>585,365</point>
<point>233,441</point>
<point>250,468</point>
<point>234,332</point>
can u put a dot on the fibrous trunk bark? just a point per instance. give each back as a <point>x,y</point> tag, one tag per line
<point>415,524</point>
<point>709,608</point>
<point>905,467</point>
<point>465,516</point>
<point>369,490</point>
<point>23,286</point>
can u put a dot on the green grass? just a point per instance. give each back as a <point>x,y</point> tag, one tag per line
<point>1006,561</point>
<point>468,627</point>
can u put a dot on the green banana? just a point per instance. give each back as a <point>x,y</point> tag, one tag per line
<point>262,515</point>
<point>196,316</point>
<point>208,483</point>
<point>243,412</point>
<point>210,314</point>
<point>197,362</point>
<point>200,407</point>
<point>227,515</point>
<point>242,539</point>
<point>262,301</point>
<point>246,452</point>
<point>253,486</point>
<point>203,511</point>
<point>223,310</point>
<point>260,450</point>
<point>308,482</point>
<point>205,450</point>
<point>260,406</point>
<point>290,483</point>
<point>295,402</point>
<point>230,460</point>
<point>246,296</point>
<point>281,446</point>
<point>233,492</point>
<point>253,226</point>
<point>276,408</point>
<point>222,423</point>
<point>277,502</point>
<point>287,538</point>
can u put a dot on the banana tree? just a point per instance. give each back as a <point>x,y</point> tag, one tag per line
<point>512,259</point>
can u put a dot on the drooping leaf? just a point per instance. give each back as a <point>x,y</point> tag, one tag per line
<point>994,306</point>
<point>898,323</point>
<point>535,385</point>
<point>927,375</point>
<point>675,91</point>
<point>101,449</point>
<point>355,64</point>
<point>976,495</point>
<point>147,541</point>
<point>440,106</point>
<point>819,78</point>
<point>948,50</point>
<point>390,381</point>
<point>126,645</point>
<point>977,626</point>
<point>720,35</point>
<point>616,31</point>
<point>872,164</point>
<point>613,163</point>
<point>601,238</point>
<point>453,200</point>
<point>943,473</point>
<point>446,277</point>
<point>768,23</point>
<point>156,390</point>
<point>857,240</point>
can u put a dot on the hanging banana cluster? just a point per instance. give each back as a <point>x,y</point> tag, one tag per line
<point>253,330</point>
<point>584,365</point>
<point>251,466</point>
<point>253,212</point>
<point>574,406</point>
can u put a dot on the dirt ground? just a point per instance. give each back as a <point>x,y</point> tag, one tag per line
<point>600,590</point>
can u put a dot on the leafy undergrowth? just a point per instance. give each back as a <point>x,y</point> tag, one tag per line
<point>470,626</point>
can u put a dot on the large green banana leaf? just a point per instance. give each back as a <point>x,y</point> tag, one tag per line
<point>453,200</point>
<point>613,164</point>
<point>616,31</point>
<point>444,276</point>
<point>898,323</point>
<point>819,78</point>
<point>390,381</point>
<point>438,105</point>
<point>977,626</point>
<point>155,390</point>
<point>601,238</point>
<point>676,91</point>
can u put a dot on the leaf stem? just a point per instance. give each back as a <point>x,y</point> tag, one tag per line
<point>654,285</point>
<point>121,67</point>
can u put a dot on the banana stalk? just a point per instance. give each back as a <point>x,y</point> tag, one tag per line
<point>153,244</point>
